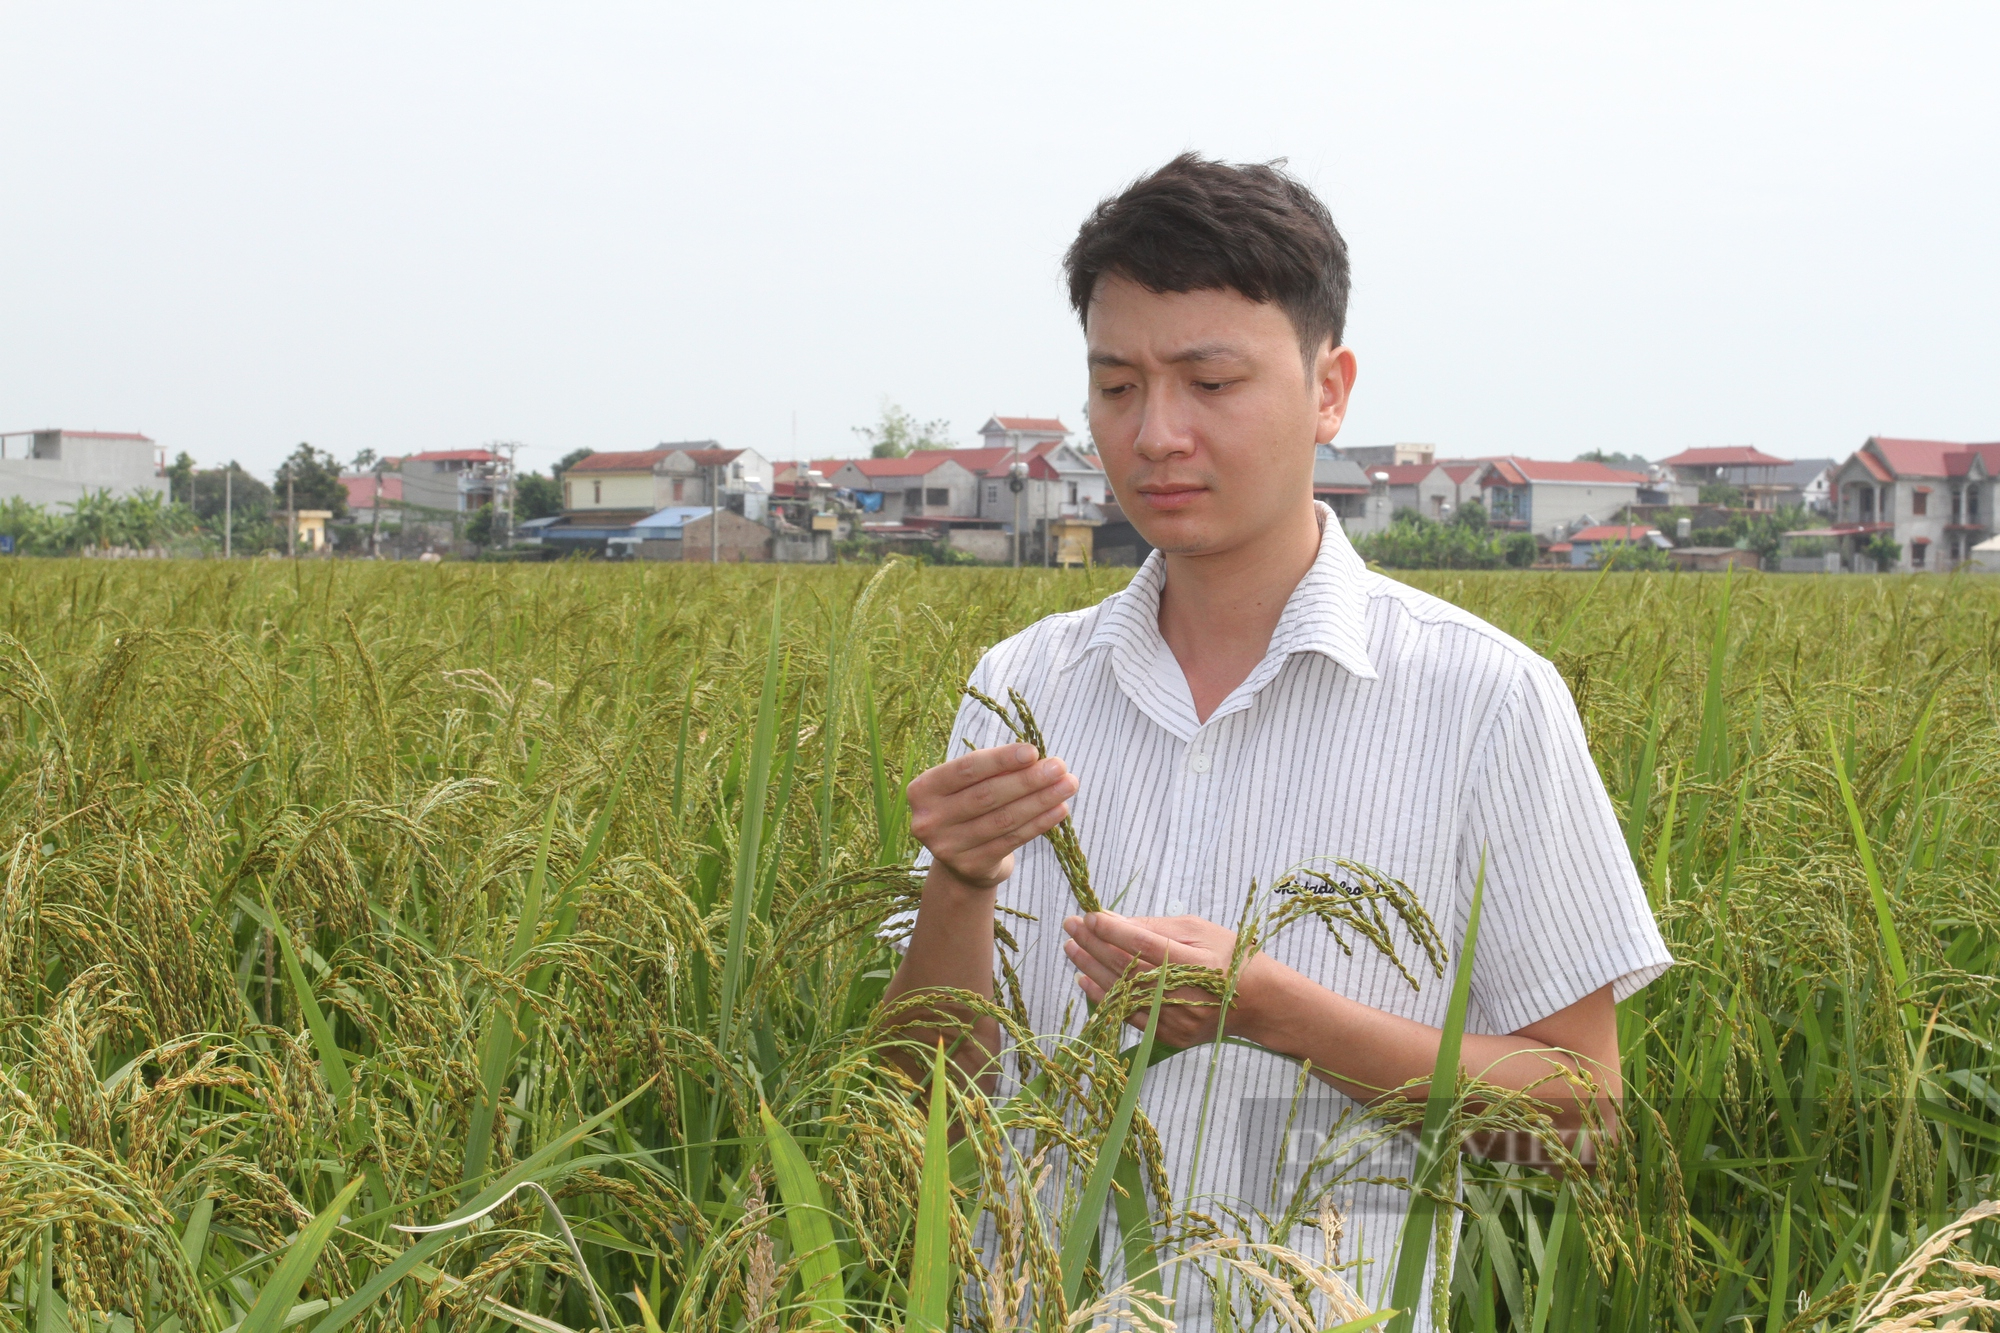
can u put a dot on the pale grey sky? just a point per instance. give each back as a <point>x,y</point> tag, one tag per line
<point>410,226</point>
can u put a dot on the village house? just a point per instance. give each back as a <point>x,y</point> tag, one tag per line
<point>1933,498</point>
<point>364,487</point>
<point>1751,471</point>
<point>644,481</point>
<point>455,481</point>
<point>1554,499</point>
<point>50,467</point>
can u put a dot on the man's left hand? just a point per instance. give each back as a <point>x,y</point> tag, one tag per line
<point>1103,946</point>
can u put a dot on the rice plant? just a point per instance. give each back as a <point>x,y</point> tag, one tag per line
<point>455,947</point>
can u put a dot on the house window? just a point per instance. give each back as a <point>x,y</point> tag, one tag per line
<point>1972,505</point>
<point>992,492</point>
<point>680,488</point>
<point>1918,550</point>
<point>569,495</point>
<point>597,492</point>
<point>913,500</point>
<point>1072,492</point>
<point>939,496</point>
<point>1920,502</point>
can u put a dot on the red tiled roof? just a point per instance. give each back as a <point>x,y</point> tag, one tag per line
<point>361,489</point>
<point>918,464</point>
<point>1873,465</point>
<point>1741,455</point>
<point>628,460</point>
<point>1614,532</point>
<point>994,461</point>
<point>1929,458</point>
<point>1032,424</point>
<point>1458,472</point>
<point>453,456</point>
<point>1521,471</point>
<point>710,457</point>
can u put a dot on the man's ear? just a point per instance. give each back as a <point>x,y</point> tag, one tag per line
<point>1334,370</point>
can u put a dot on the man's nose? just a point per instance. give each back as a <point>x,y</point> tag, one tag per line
<point>1166,430</point>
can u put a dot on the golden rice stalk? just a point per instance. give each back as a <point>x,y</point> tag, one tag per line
<point>1069,852</point>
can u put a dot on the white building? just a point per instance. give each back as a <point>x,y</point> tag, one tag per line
<point>1934,499</point>
<point>1554,499</point>
<point>52,467</point>
<point>645,481</point>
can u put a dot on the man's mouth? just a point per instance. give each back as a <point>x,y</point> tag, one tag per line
<point>1169,495</point>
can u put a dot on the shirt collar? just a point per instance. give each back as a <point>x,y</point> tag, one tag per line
<point>1327,613</point>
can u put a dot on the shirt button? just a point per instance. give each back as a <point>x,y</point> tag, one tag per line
<point>1198,762</point>
<point>1176,906</point>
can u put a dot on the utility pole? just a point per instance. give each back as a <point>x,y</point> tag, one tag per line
<point>292,518</point>
<point>714,513</point>
<point>228,505</point>
<point>375,517</point>
<point>1017,478</point>
<point>505,492</point>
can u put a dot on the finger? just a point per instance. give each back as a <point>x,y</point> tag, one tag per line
<point>958,774</point>
<point>1084,930</point>
<point>1123,932</point>
<point>1011,840</point>
<point>1095,969</point>
<point>998,792</point>
<point>1016,817</point>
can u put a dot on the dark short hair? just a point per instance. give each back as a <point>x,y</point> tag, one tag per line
<point>1201,225</point>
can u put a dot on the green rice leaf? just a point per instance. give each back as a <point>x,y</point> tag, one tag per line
<point>1434,1154</point>
<point>809,1225</point>
<point>274,1301</point>
<point>930,1266</point>
<point>1089,1215</point>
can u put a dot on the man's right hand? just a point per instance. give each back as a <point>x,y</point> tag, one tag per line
<point>972,812</point>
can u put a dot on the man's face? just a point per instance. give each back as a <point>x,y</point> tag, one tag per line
<point>1205,413</point>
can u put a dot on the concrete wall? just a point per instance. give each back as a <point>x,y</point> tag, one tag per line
<point>738,539</point>
<point>69,467</point>
<point>987,544</point>
<point>1557,506</point>
<point>611,490</point>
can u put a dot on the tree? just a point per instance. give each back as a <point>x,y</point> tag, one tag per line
<point>1630,462</point>
<point>1471,514</point>
<point>479,528</point>
<point>1721,493</point>
<point>1884,550</point>
<point>364,460</point>
<point>315,478</point>
<point>570,460</point>
<point>536,496</point>
<point>1633,555</point>
<point>898,433</point>
<point>178,478</point>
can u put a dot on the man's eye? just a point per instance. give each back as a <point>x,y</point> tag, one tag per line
<point>1211,386</point>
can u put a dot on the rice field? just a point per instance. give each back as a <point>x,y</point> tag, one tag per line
<point>470,947</point>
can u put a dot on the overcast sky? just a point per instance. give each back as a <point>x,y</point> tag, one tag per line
<point>422,226</point>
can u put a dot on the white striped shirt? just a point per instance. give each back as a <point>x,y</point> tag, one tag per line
<point>1383,726</point>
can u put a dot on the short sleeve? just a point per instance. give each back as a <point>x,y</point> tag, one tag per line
<point>974,723</point>
<point>1563,913</point>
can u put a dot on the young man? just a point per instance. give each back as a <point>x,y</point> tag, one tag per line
<point>1256,699</point>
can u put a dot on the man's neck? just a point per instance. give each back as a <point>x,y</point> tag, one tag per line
<point>1217,612</point>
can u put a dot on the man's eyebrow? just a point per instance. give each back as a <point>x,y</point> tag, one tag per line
<point>1205,352</point>
<point>1197,354</point>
